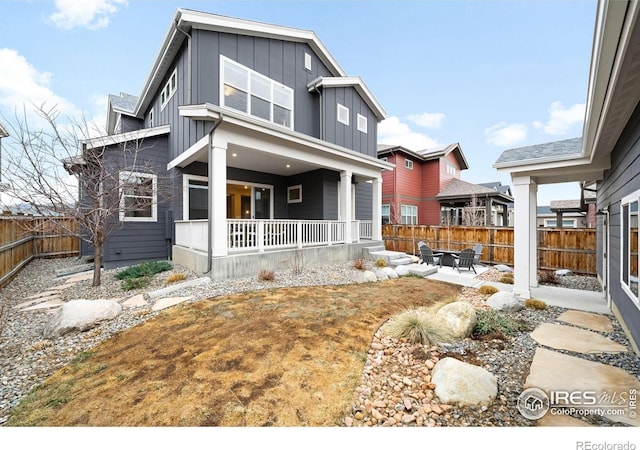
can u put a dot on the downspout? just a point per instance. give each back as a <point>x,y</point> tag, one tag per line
<point>317,91</point>
<point>190,100</point>
<point>210,193</point>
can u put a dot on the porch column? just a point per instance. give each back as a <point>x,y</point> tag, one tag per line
<point>376,209</point>
<point>218,200</point>
<point>525,236</point>
<point>345,203</point>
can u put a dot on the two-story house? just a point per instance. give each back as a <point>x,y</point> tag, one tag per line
<point>409,191</point>
<point>265,143</point>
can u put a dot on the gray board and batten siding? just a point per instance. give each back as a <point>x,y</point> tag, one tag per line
<point>282,61</point>
<point>621,180</point>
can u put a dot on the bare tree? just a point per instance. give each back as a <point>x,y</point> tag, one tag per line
<point>474,214</point>
<point>60,170</point>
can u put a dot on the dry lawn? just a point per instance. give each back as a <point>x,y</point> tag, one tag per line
<point>280,357</point>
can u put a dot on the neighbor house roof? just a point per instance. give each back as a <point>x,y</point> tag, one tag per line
<point>565,205</point>
<point>460,189</point>
<point>427,154</point>
<point>548,151</point>
<point>498,186</point>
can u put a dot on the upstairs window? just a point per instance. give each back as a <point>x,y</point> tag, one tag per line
<point>408,164</point>
<point>307,61</point>
<point>169,89</point>
<point>451,170</point>
<point>343,114</point>
<point>252,93</point>
<point>151,118</point>
<point>362,123</point>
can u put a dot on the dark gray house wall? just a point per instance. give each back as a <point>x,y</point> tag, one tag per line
<point>364,198</point>
<point>319,195</point>
<point>140,241</point>
<point>348,135</point>
<point>621,180</point>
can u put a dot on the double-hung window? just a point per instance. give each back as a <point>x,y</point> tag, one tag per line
<point>409,214</point>
<point>385,212</point>
<point>169,89</point>
<point>138,197</point>
<point>252,93</point>
<point>629,251</point>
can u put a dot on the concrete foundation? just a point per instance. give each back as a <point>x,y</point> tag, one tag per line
<point>250,264</point>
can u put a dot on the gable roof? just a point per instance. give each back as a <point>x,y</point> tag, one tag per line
<point>119,104</point>
<point>458,189</point>
<point>186,20</point>
<point>357,84</point>
<point>498,186</point>
<point>548,151</point>
<point>427,154</point>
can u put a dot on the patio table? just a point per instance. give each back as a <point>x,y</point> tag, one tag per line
<point>447,257</point>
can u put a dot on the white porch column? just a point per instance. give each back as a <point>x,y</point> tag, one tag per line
<point>376,209</point>
<point>525,196</point>
<point>345,203</point>
<point>218,197</point>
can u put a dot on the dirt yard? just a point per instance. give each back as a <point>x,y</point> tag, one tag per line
<point>281,357</point>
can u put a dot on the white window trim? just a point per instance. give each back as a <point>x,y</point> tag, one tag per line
<point>273,83</point>
<point>362,123</point>
<point>151,118</point>
<point>168,90</point>
<point>574,223</point>
<point>382,215</point>
<point>307,61</point>
<point>408,164</point>
<point>253,187</point>
<point>186,178</point>
<point>343,111</point>
<point>627,200</point>
<point>291,189</point>
<point>154,200</point>
<point>402,216</point>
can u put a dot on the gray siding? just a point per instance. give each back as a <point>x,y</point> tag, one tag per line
<point>348,135</point>
<point>319,195</point>
<point>364,198</point>
<point>139,241</point>
<point>621,180</point>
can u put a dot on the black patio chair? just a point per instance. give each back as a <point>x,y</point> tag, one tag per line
<point>478,250</point>
<point>427,255</point>
<point>465,260</point>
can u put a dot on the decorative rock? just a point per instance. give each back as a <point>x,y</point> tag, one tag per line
<point>459,382</point>
<point>458,318</point>
<point>505,301</point>
<point>80,315</point>
<point>381,275</point>
<point>407,404</point>
<point>348,421</point>
<point>503,268</point>
<point>389,272</point>
<point>369,276</point>
<point>563,273</point>
<point>402,271</point>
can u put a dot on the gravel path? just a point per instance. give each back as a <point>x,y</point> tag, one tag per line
<point>27,359</point>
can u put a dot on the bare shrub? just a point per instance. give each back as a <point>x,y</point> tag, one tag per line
<point>174,277</point>
<point>296,262</point>
<point>359,264</point>
<point>266,275</point>
<point>548,277</point>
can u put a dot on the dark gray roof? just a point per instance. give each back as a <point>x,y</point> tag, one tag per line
<point>565,205</point>
<point>548,150</point>
<point>498,186</point>
<point>124,102</point>
<point>544,210</point>
<point>459,188</point>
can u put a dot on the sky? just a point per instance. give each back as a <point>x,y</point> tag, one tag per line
<point>489,75</point>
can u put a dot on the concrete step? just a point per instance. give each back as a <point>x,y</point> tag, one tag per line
<point>422,270</point>
<point>403,261</point>
<point>366,251</point>
<point>387,255</point>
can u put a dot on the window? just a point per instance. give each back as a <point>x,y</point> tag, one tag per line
<point>343,114</point>
<point>195,198</point>
<point>566,223</point>
<point>408,164</point>
<point>362,123</point>
<point>385,211</point>
<point>294,194</point>
<point>138,197</point>
<point>451,170</point>
<point>169,89</point>
<point>252,93</point>
<point>629,242</point>
<point>307,61</point>
<point>151,118</point>
<point>408,215</point>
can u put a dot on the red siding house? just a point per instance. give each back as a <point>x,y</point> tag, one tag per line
<point>409,191</point>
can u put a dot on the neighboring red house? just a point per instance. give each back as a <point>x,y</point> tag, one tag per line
<point>409,191</point>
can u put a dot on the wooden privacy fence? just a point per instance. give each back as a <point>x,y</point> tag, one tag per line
<point>558,248</point>
<point>23,238</point>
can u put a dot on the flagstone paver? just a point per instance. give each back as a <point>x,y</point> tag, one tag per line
<point>45,305</point>
<point>554,371</point>
<point>135,301</point>
<point>35,301</point>
<point>42,294</point>
<point>169,301</point>
<point>584,319</point>
<point>82,277</point>
<point>565,337</point>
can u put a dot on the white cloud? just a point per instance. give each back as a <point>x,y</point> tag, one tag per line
<point>393,132</point>
<point>505,135</point>
<point>561,119</point>
<point>21,84</point>
<point>91,14</point>
<point>427,120</point>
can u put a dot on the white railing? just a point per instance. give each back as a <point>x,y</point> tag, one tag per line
<point>365,229</point>
<point>259,235</point>
<point>192,234</point>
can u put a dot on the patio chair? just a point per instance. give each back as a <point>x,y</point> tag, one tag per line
<point>478,251</point>
<point>427,255</point>
<point>465,260</point>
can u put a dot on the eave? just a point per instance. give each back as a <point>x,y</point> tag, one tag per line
<point>357,84</point>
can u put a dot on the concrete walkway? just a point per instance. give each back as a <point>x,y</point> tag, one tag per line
<point>559,365</point>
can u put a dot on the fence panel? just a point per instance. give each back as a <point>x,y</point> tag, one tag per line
<point>25,238</point>
<point>566,248</point>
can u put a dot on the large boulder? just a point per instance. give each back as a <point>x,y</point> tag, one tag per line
<point>463,383</point>
<point>381,274</point>
<point>458,318</point>
<point>402,271</point>
<point>505,301</point>
<point>563,273</point>
<point>389,272</point>
<point>366,277</point>
<point>80,315</point>
<point>503,268</point>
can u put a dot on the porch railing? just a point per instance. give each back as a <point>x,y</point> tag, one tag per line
<point>259,235</point>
